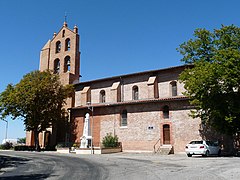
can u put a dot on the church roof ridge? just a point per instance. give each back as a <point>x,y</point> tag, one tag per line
<point>133,74</point>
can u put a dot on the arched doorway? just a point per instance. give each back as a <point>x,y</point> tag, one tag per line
<point>166,134</point>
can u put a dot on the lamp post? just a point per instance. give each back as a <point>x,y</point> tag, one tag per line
<point>91,109</point>
<point>6,129</point>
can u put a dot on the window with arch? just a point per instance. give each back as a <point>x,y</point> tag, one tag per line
<point>67,64</point>
<point>63,33</point>
<point>67,44</point>
<point>135,93</point>
<point>123,118</point>
<point>165,112</point>
<point>102,96</point>
<point>56,66</point>
<point>174,88</point>
<point>58,46</point>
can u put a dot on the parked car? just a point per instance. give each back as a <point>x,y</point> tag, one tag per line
<point>204,148</point>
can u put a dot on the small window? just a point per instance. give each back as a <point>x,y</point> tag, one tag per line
<point>67,44</point>
<point>165,112</point>
<point>135,93</point>
<point>102,96</point>
<point>58,46</point>
<point>63,33</point>
<point>174,88</point>
<point>56,66</point>
<point>67,64</point>
<point>124,118</point>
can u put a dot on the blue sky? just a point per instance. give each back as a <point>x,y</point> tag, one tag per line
<point>117,36</point>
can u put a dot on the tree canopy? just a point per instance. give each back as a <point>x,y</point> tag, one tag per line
<point>212,82</point>
<point>38,99</point>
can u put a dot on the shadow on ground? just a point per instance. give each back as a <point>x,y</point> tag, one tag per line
<point>27,177</point>
<point>8,161</point>
<point>15,162</point>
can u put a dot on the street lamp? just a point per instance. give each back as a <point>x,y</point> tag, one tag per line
<point>91,109</point>
<point>6,129</point>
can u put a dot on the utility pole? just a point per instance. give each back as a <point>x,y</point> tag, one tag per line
<point>6,129</point>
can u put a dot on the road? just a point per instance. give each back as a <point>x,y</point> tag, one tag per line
<point>121,166</point>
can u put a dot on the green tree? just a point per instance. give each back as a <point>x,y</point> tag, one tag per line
<point>38,99</point>
<point>21,140</point>
<point>212,79</point>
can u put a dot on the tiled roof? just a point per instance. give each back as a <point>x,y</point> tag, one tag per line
<point>143,101</point>
<point>134,74</point>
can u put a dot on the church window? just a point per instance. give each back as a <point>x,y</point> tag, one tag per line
<point>135,93</point>
<point>67,44</point>
<point>56,66</point>
<point>58,46</point>
<point>166,112</point>
<point>102,96</point>
<point>63,33</point>
<point>174,88</point>
<point>67,64</point>
<point>124,118</point>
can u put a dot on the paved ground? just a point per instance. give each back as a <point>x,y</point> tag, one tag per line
<point>121,166</point>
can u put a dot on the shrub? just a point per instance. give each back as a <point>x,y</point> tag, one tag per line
<point>50,148</point>
<point>64,144</point>
<point>76,145</point>
<point>24,148</point>
<point>6,146</point>
<point>110,141</point>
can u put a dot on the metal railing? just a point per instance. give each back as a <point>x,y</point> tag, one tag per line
<point>154,147</point>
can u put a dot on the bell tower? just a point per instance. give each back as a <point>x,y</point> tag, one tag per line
<point>61,55</point>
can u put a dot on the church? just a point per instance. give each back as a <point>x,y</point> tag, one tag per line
<point>146,110</point>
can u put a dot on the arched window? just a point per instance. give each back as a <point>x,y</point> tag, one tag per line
<point>67,44</point>
<point>56,66</point>
<point>166,112</point>
<point>102,96</point>
<point>63,33</point>
<point>174,88</point>
<point>124,118</point>
<point>135,93</point>
<point>58,46</point>
<point>67,64</point>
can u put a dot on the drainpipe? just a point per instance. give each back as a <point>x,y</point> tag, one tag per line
<point>122,89</point>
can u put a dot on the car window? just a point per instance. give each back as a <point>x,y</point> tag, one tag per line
<point>196,142</point>
<point>208,143</point>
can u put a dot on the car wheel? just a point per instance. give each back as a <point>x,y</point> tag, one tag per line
<point>189,155</point>
<point>207,153</point>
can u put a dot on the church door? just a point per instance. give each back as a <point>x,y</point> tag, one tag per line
<point>166,134</point>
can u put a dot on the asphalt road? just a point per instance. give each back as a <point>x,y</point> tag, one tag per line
<point>120,166</point>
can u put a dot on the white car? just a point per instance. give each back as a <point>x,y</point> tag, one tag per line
<point>204,148</point>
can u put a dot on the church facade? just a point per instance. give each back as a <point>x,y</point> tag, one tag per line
<point>146,110</point>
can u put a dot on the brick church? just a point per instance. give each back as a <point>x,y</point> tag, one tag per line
<point>146,110</point>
